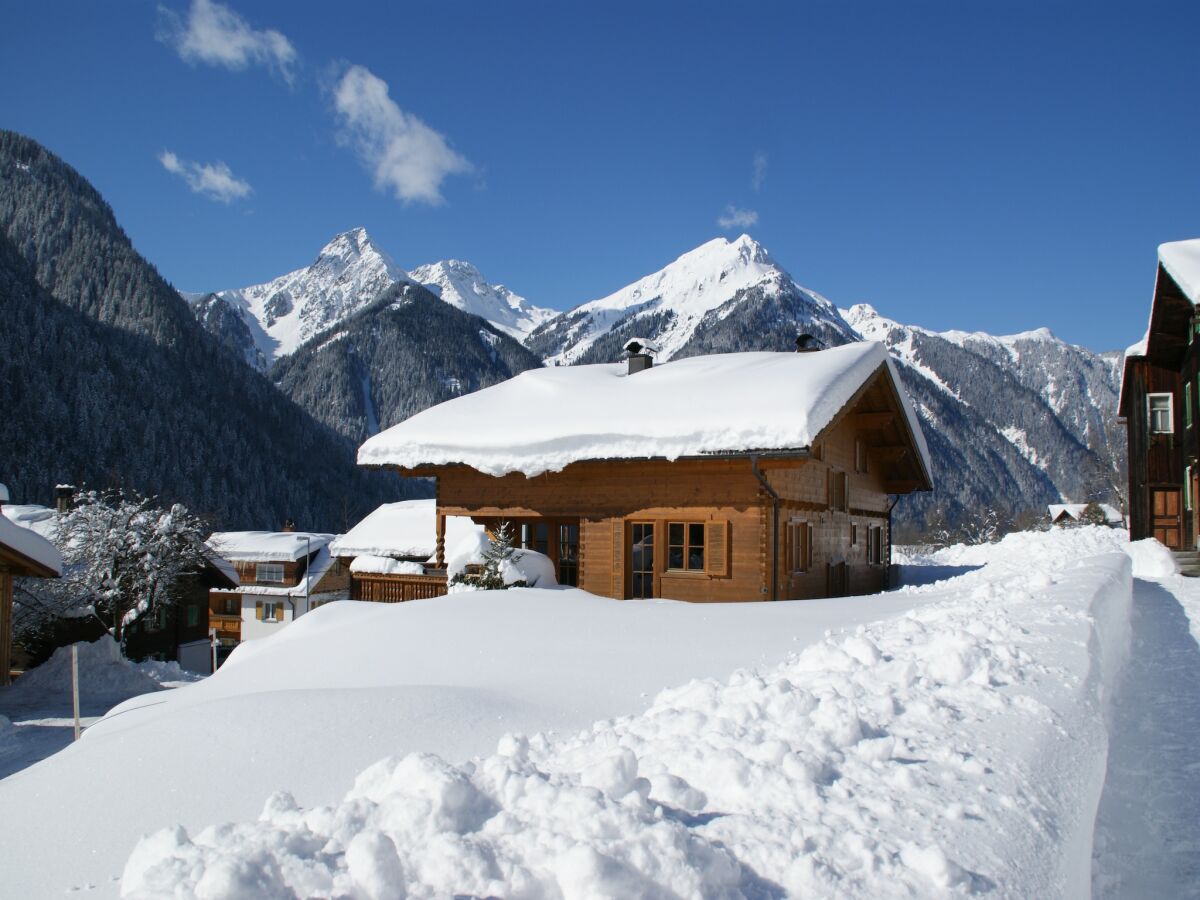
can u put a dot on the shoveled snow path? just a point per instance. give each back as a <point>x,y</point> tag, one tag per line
<point>1147,841</point>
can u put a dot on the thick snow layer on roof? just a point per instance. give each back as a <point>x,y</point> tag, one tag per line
<point>30,544</point>
<point>385,565</point>
<point>320,564</point>
<point>407,528</point>
<point>544,419</point>
<point>1181,259</point>
<point>267,546</point>
<point>41,519</point>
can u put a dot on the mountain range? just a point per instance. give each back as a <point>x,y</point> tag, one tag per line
<point>248,403</point>
<point>1014,422</point>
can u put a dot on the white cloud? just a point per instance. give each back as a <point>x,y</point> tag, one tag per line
<point>213,180</point>
<point>759,174</point>
<point>737,218</point>
<point>401,152</point>
<point>215,34</point>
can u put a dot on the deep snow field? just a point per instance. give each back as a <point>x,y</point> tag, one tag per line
<point>939,740</point>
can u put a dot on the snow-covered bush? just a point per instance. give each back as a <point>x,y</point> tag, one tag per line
<point>502,565</point>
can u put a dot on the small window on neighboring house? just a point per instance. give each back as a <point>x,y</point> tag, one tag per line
<point>1160,413</point>
<point>838,490</point>
<point>853,535</point>
<point>193,615</point>
<point>270,573</point>
<point>270,612</point>
<point>685,546</point>
<point>1187,488</point>
<point>860,456</point>
<point>799,546</point>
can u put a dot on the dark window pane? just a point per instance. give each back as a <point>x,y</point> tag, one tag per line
<point>675,533</point>
<point>696,557</point>
<point>696,534</point>
<point>675,558</point>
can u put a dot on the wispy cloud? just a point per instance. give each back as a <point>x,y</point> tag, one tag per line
<point>402,153</point>
<point>759,170</point>
<point>213,180</point>
<point>737,218</point>
<point>215,34</point>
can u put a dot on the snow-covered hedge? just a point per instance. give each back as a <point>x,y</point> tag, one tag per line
<point>959,748</point>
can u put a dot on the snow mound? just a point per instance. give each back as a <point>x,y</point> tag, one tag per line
<point>1151,559</point>
<point>891,761</point>
<point>105,676</point>
<point>535,569</point>
<point>385,565</point>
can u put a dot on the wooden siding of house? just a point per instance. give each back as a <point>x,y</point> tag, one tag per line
<point>1156,461</point>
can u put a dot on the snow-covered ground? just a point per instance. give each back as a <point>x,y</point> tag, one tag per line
<point>942,739</point>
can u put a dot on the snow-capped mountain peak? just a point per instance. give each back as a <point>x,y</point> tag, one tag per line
<point>462,285</point>
<point>670,305</point>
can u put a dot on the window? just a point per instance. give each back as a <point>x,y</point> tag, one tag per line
<point>193,615</point>
<point>1187,404</point>
<point>838,490</point>
<point>860,456</point>
<point>233,606</point>
<point>1161,419</point>
<point>271,573</point>
<point>536,536</point>
<point>685,546</point>
<point>853,535</point>
<point>1187,488</point>
<point>568,554</point>
<point>270,611</point>
<point>799,546</point>
<point>641,558</point>
<point>875,545</point>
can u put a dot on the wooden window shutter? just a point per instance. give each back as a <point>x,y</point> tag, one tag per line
<point>716,537</point>
<point>258,610</point>
<point>618,558</point>
<point>808,550</point>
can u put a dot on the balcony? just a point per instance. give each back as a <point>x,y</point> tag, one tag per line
<point>396,588</point>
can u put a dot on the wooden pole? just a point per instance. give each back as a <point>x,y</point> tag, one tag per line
<point>439,560</point>
<point>75,686</point>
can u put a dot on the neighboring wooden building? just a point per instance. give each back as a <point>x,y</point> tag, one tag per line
<point>391,554</point>
<point>1159,396</point>
<point>740,476</point>
<point>23,553</point>
<point>1072,513</point>
<point>282,575</point>
<point>185,623</point>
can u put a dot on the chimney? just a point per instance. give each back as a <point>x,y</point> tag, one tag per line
<point>639,350</point>
<point>64,498</point>
<point>806,343</point>
<point>289,525</point>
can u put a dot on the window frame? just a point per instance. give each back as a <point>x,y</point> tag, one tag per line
<point>262,571</point>
<point>1169,410</point>
<point>837,500</point>
<point>874,545</point>
<point>860,456</point>
<point>688,546</point>
<point>798,560</point>
<point>271,609</point>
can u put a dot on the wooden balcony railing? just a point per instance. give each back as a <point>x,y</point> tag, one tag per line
<point>225,624</point>
<point>396,588</point>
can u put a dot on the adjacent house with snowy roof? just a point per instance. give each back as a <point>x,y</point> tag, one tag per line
<point>1069,513</point>
<point>1160,390</point>
<point>282,575</point>
<point>738,476</point>
<point>23,553</point>
<point>390,552</point>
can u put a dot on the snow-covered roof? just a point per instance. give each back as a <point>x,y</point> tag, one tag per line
<point>1181,259</point>
<point>40,519</point>
<point>267,546</point>
<point>407,528</point>
<point>1075,510</point>
<point>30,545</point>
<point>385,565</point>
<point>320,564</point>
<point>544,419</point>
<point>222,565</point>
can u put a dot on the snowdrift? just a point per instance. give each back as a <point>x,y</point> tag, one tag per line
<point>958,748</point>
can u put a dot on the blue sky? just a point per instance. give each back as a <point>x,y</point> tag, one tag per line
<point>977,165</point>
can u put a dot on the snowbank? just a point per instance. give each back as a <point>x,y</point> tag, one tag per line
<point>535,569</point>
<point>959,748</point>
<point>105,678</point>
<point>734,403</point>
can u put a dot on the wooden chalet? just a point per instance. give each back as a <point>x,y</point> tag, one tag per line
<point>281,575</point>
<point>742,476</point>
<point>1159,395</point>
<point>23,554</point>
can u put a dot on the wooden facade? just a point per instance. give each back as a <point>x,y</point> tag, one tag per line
<point>13,564</point>
<point>1160,394</point>
<point>811,522</point>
